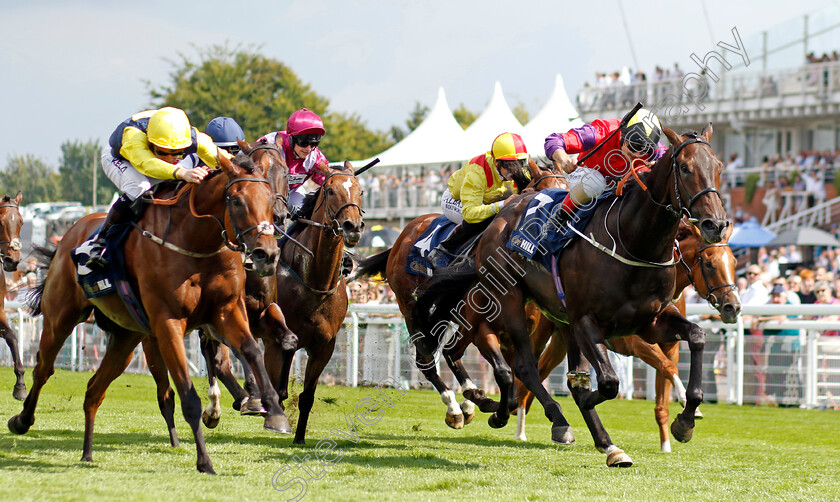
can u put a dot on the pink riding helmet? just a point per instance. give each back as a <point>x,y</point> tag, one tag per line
<point>305,121</point>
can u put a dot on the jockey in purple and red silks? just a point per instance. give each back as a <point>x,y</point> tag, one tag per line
<point>299,144</point>
<point>639,139</point>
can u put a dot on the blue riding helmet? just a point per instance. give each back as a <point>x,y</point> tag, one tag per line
<point>224,131</point>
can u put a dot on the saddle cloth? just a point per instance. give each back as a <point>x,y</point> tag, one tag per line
<point>418,263</point>
<point>537,238</point>
<point>97,282</point>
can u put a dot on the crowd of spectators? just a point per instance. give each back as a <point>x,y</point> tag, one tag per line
<point>22,281</point>
<point>409,189</point>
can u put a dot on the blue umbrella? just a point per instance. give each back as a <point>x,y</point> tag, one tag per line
<point>750,234</point>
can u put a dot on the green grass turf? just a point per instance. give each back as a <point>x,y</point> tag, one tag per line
<point>737,453</point>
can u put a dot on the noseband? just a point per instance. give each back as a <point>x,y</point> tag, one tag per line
<point>265,146</point>
<point>710,295</point>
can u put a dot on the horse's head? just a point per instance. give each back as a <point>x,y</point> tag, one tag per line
<point>711,270</point>
<point>250,201</point>
<point>544,177</point>
<point>270,158</point>
<point>342,199</point>
<point>696,173</point>
<point>10,223</point>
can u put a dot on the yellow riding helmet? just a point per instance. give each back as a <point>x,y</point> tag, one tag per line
<point>169,128</point>
<point>642,131</point>
<point>509,146</point>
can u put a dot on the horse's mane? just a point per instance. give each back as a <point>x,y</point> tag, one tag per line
<point>245,162</point>
<point>308,206</point>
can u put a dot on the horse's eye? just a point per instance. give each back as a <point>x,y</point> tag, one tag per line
<point>330,191</point>
<point>237,202</point>
<point>684,168</point>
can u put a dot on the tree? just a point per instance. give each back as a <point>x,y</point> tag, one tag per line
<point>260,93</point>
<point>521,113</point>
<point>33,177</point>
<point>464,116</point>
<point>76,167</point>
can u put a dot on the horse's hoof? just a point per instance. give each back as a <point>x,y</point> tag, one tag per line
<point>278,423</point>
<point>562,434</point>
<point>698,415</point>
<point>619,459</point>
<point>205,468</point>
<point>495,422</point>
<point>681,431</point>
<point>474,394</point>
<point>253,407</point>
<point>455,421</point>
<point>17,426</point>
<point>19,392</point>
<point>468,409</point>
<point>209,421</point>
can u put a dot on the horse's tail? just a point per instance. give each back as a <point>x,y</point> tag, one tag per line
<point>442,296</point>
<point>33,297</point>
<point>375,265</point>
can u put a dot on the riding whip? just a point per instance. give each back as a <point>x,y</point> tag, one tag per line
<point>368,166</point>
<point>621,125</point>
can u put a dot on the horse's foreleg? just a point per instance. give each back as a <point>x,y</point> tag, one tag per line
<point>454,415</point>
<point>589,338</point>
<point>165,394</point>
<point>278,364</point>
<point>118,354</point>
<point>19,390</point>
<point>525,365</point>
<point>56,330</point>
<point>550,358</point>
<point>319,356</point>
<point>671,326</point>
<point>579,385</point>
<point>211,415</point>
<point>170,338</point>
<point>488,343</point>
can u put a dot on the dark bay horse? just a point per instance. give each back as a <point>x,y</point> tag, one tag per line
<point>195,278</point>
<point>710,269</point>
<point>391,263</point>
<point>310,287</point>
<point>10,223</point>
<point>606,295</point>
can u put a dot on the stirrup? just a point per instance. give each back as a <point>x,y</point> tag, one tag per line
<point>96,258</point>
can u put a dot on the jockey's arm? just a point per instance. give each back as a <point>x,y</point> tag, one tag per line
<point>472,198</point>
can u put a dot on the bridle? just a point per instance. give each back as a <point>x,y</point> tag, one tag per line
<point>14,243</point>
<point>710,295</point>
<point>331,223</point>
<point>265,146</point>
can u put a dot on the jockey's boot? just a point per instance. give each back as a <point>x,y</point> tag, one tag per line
<point>120,212</point>
<point>450,244</point>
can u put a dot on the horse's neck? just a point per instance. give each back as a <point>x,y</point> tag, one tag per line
<point>324,270</point>
<point>688,251</point>
<point>200,230</point>
<point>648,229</point>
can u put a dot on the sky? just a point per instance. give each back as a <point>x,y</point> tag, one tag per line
<point>73,70</point>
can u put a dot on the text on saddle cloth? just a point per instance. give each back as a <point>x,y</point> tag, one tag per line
<point>537,238</point>
<point>98,282</point>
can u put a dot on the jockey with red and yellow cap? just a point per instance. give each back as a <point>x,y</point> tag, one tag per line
<point>477,191</point>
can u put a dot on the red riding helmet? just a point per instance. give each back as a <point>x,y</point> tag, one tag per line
<point>305,121</point>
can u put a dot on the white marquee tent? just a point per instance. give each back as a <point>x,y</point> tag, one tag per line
<point>494,120</point>
<point>558,115</point>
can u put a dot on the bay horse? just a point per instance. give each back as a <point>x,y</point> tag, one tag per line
<point>10,224</point>
<point>391,263</point>
<point>607,294</point>
<point>310,286</point>
<point>193,278</point>
<point>264,316</point>
<point>710,269</point>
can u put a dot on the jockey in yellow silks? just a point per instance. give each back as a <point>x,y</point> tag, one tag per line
<point>478,190</point>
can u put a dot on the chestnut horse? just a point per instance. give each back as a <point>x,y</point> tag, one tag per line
<point>10,223</point>
<point>607,294</point>
<point>710,269</point>
<point>311,288</point>
<point>391,263</point>
<point>264,316</point>
<point>195,277</point>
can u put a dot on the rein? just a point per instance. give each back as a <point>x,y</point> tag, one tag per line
<point>264,228</point>
<point>683,210</point>
<point>710,295</point>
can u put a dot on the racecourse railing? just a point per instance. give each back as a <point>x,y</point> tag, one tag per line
<point>373,346</point>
